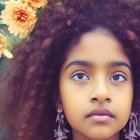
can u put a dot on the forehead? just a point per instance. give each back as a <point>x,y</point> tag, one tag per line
<point>96,46</point>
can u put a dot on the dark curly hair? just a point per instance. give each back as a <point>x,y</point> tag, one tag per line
<point>32,85</point>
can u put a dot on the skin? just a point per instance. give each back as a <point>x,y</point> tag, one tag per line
<point>96,75</point>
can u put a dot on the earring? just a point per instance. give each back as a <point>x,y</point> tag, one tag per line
<point>133,127</point>
<point>60,132</point>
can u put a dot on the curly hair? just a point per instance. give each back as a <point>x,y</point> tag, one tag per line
<point>32,85</point>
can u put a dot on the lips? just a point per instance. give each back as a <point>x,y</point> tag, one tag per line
<point>100,112</point>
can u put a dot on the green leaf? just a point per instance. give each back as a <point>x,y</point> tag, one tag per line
<point>2,6</point>
<point>58,1</point>
<point>11,39</point>
<point>1,22</point>
<point>2,2</point>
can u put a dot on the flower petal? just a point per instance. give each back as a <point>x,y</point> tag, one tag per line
<point>19,16</point>
<point>7,53</point>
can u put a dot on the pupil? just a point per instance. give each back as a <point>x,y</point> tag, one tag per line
<point>80,76</point>
<point>116,77</point>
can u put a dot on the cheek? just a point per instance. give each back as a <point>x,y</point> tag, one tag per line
<point>123,102</point>
<point>123,96</point>
<point>71,94</point>
<point>72,107</point>
<point>73,100</point>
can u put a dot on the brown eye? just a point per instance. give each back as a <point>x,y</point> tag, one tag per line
<point>80,76</point>
<point>118,78</point>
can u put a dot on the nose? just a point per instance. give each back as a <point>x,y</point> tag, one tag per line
<point>100,91</point>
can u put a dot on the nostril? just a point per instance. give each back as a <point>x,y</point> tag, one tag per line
<point>94,99</point>
<point>108,100</point>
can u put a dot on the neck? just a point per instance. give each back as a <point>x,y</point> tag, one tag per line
<point>81,137</point>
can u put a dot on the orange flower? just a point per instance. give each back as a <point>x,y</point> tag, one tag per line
<point>3,47</point>
<point>19,17</point>
<point>36,3</point>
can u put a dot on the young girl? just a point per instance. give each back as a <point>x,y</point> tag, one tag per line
<point>78,76</point>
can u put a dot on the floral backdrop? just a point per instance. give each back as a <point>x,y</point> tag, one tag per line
<point>17,19</point>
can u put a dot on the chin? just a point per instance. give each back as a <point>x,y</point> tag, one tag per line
<point>102,135</point>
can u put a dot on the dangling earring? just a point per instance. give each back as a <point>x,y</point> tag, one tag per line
<point>60,132</point>
<point>133,128</point>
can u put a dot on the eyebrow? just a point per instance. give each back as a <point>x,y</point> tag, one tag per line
<point>119,64</point>
<point>80,63</point>
<point>87,64</point>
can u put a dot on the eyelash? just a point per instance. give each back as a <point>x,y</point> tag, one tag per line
<point>119,75</point>
<point>84,77</point>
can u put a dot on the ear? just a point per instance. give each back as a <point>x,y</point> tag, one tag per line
<point>58,103</point>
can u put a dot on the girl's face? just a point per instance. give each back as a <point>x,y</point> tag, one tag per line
<point>96,88</point>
